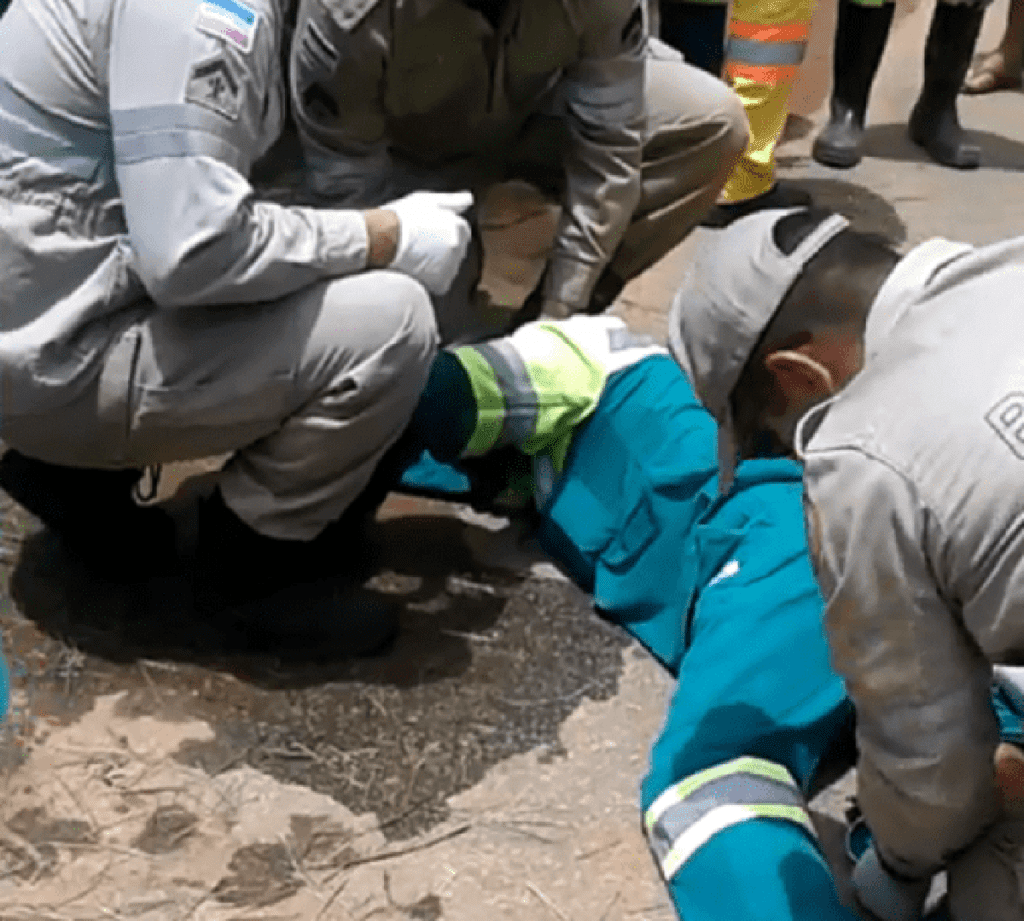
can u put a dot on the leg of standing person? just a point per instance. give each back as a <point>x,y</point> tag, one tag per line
<point>862,29</point>
<point>861,32</point>
<point>766,43</point>
<point>1000,69</point>
<point>934,124</point>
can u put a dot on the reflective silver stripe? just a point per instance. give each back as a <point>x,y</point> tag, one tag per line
<point>79,150</point>
<point>689,814</point>
<point>751,51</point>
<point>736,790</point>
<point>543,478</point>
<point>175,131</point>
<point>522,409</point>
<point>721,818</point>
<point>621,337</point>
<point>605,103</point>
<point>596,94</point>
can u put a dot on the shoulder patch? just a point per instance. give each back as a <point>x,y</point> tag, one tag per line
<point>228,20</point>
<point>215,86</point>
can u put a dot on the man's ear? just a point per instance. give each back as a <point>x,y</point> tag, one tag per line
<point>800,378</point>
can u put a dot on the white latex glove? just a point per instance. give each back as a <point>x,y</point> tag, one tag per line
<point>433,237</point>
<point>885,896</point>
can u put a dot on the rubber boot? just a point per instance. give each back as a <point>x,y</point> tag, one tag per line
<point>94,515</point>
<point>947,56</point>
<point>780,195</point>
<point>861,33</point>
<point>290,598</point>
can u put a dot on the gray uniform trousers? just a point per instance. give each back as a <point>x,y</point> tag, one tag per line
<point>309,392</point>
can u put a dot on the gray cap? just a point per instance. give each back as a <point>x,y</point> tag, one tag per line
<point>725,303</point>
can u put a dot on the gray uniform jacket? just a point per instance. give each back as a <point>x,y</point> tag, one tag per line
<point>127,130</point>
<point>915,504</point>
<point>383,87</point>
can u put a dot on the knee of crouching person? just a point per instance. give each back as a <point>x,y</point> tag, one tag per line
<point>735,129</point>
<point>413,318</point>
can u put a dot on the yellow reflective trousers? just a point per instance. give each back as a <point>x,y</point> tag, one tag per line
<point>764,48</point>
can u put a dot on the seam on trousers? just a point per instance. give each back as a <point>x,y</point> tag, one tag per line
<point>116,387</point>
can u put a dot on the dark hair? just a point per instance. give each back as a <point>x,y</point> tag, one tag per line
<point>834,291</point>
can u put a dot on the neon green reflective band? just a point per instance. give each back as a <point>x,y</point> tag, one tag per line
<point>490,402</point>
<point>567,381</point>
<point>873,3</point>
<point>759,767</point>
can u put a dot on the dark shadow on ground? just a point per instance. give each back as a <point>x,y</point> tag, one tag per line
<point>891,142</point>
<point>488,664</point>
<point>866,210</point>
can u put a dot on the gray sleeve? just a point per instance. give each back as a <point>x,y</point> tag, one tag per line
<point>190,112</point>
<point>603,94</point>
<point>925,726</point>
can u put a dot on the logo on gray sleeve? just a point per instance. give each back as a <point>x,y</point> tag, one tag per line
<point>1007,420</point>
<point>213,85</point>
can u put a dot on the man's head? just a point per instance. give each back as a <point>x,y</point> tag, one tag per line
<point>770,321</point>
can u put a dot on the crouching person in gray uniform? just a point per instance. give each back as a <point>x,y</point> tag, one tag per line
<point>898,382</point>
<point>152,309</point>
<point>395,95</point>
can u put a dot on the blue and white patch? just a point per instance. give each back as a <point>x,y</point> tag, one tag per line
<point>229,20</point>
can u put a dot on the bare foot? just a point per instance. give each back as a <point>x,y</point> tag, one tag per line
<point>992,71</point>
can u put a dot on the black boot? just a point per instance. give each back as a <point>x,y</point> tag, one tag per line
<point>861,33</point>
<point>94,514</point>
<point>287,597</point>
<point>947,55</point>
<point>780,195</point>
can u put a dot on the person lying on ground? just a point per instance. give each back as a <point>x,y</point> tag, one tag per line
<point>621,464</point>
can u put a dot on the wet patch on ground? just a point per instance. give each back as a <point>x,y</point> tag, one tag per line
<point>488,664</point>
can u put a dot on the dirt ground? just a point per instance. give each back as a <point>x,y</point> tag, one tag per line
<point>151,771</point>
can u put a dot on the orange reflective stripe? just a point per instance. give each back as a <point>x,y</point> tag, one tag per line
<point>770,74</point>
<point>788,32</point>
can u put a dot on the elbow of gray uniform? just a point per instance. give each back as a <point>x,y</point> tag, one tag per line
<point>921,822</point>
<point>184,275</point>
<point>168,281</point>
